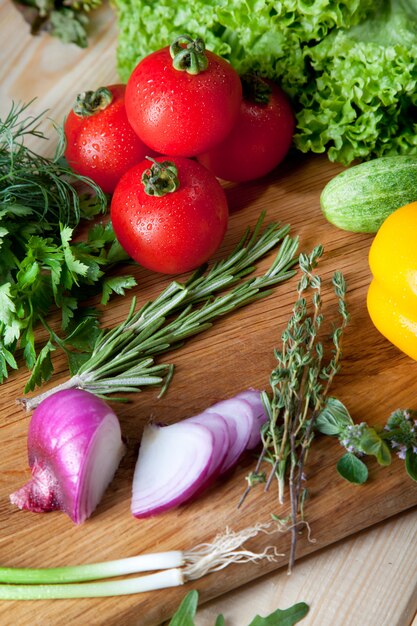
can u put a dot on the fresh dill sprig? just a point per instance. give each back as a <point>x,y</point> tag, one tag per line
<point>45,189</point>
<point>299,384</point>
<point>123,358</point>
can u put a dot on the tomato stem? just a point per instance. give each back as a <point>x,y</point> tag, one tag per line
<point>160,178</point>
<point>90,102</point>
<point>255,89</point>
<point>190,58</point>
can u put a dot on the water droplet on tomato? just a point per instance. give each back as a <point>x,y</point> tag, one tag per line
<point>149,227</point>
<point>96,146</point>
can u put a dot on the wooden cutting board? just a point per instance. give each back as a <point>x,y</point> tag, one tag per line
<point>237,353</point>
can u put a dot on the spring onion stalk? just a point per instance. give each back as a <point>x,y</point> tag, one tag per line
<point>122,359</point>
<point>161,580</point>
<point>92,571</point>
<point>177,568</point>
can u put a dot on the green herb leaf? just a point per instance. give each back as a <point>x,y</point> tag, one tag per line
<point>68,305</point>
<point>184,616</point>
<point>69,26</point>
<point>76,360</point>
<point>7,307</point>
<point>73,265</point>
<point>12,332</point>
<point>220,621</point>
<point>27,342</point>
<point>411,463</point>
<point>116,284</point>
<point>352,469</point>
<point>6,360</point>
<point>84,335</point>
<point>43,368</point>
<point>333,418</point>
<point>384,454</point>
<point>372,444</point>
<point>283,617</point>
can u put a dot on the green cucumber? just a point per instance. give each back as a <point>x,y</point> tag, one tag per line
<point>360,198</point>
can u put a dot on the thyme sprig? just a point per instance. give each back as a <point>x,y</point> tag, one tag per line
<point>299,384</point>
<point>123,358</point>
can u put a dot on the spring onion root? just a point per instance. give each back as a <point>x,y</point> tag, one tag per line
<point>177,568</point>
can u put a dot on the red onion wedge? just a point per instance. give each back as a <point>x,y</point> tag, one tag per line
<point>74,449</point>
<point>259,417</point>
<point>173,463</point>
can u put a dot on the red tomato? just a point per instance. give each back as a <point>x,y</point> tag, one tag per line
<point>177,112</point>
<point>174,232</point>
<point>101,144</point>
<point>260,139</point>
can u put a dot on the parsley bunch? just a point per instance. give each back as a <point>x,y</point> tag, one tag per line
<point>41,267</point>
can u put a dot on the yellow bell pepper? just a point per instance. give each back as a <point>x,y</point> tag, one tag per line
<point>392,295</point>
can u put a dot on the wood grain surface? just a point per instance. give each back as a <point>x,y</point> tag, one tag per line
<point>236,353</point>
<point>367,580</point>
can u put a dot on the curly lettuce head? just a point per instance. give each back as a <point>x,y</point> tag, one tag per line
<point>362,102</point>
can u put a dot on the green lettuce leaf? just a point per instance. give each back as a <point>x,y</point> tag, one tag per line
<point>362,101</point>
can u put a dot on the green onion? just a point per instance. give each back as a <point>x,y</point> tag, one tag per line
<point>177,567</point>
<point>161,580</point>
<point>92,571</point>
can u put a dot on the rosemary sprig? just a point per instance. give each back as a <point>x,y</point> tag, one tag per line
<point>123,358</point>
<point>299,387</point>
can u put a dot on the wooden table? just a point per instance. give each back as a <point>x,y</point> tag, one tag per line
<point>369,579</point>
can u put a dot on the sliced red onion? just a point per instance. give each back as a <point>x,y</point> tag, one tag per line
<point>253,397</point>
<point>177,462</point>
<point>220,431</point>
<point>74,449</point>
<point>173,463</point>
<point>239,419</point>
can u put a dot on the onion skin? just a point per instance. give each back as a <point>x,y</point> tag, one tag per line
<point>74,448</point>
